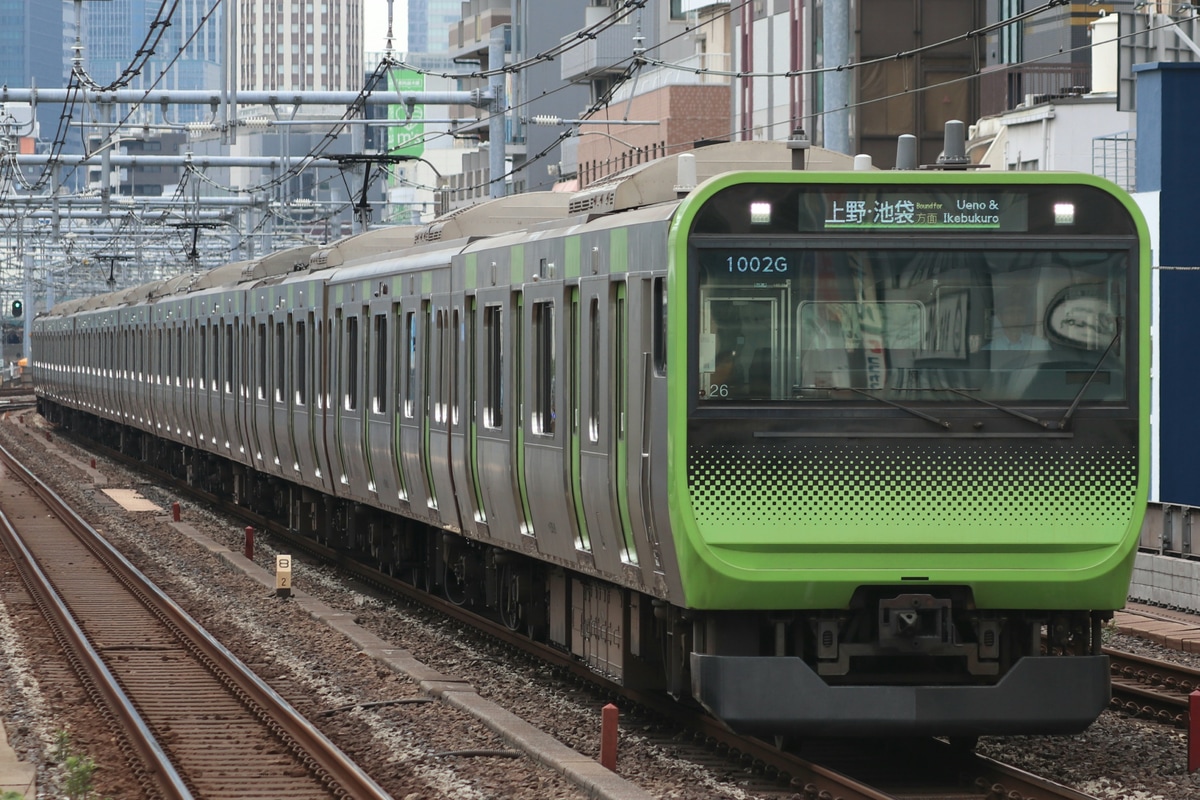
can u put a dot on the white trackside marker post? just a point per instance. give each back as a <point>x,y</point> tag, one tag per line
<point>283,576</point>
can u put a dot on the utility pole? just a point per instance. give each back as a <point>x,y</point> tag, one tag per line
<point>836,32</point>
<point>496,127</point>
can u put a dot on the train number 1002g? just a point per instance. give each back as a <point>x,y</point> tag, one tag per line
<point>757,264</point>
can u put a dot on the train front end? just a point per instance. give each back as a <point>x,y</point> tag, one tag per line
<point>908,446</point>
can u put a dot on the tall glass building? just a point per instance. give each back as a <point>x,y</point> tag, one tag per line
<point>116,30</point>
<point>31,51</point>
<point>429,22</point>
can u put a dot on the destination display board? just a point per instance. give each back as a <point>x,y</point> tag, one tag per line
<point>925,210</point>
<point>920,208</point>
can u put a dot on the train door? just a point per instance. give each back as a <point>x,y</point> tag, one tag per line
<point>156,370</point>
<point>244,331</point>
<point>258,404</point>
<point>172,391</point>
<point>212,398</point>
<point>157,365</point>
<point>174,395</point>
<point>178,394</point>
<point>464,428</point>
<point>497,422</point>
<point>594,432</point>
<point>143,404</point>
<point>443,384</point>
<point>319,363</point>
<point>638,319</point>
<point>199,377</point>
<point>228,431</point>
<point>188,374</point>
<point>301,399</point>
<point>462,394</point>
<point>127,324</point>
<point>348,401</point>
<point>379,430</point>
<point>414,403</point>
<point>546,478</point>
<point>241,385</point>
<point>118,374</point>
<point>115,361</point>
<point>282,408</point>
<point>135,403</point>
<point>161,389</point>
<point>200,415</point>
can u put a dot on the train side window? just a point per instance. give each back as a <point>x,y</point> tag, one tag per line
<point>229,358</point>
<point>301,372</point>
<point>453,366</point>
<point>260,389</point>
<point>493,401</point>
<point>179,356</point>
<point>594,349</point>
<point>379,389</point>
<point>351,354</point>
<point>437,389</point>
<point>321,380</point>
<point>659,310</point>
<point>202,370</point>
<point>214,372</point>
<point>427,354</point>
<point>618,360</point>
<point>280,362</point>
<point>410,353</point>
<point>543,368</point>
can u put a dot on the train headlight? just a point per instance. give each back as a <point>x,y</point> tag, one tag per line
<point>760,213</point>
<point>1064,213</point>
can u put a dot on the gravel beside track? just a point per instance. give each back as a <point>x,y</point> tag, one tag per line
<point>404,746</point>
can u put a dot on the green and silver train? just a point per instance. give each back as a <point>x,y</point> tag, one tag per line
<point>832,452</point>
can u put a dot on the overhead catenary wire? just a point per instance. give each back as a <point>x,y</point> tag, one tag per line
<point>601,104</point>
<point>154,36</point>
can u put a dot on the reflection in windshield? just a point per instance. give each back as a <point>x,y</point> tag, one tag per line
<point>909,325</point>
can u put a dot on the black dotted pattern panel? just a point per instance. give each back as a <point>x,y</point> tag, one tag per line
<point>873,484</point>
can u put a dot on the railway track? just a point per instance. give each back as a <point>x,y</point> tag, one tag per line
<point>193,720</point>
<point>1150,688</point>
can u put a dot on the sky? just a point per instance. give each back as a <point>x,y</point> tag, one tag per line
<point>375,24</point>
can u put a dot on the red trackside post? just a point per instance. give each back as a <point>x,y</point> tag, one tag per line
<point>1194,731</point>
<point>608,736</point>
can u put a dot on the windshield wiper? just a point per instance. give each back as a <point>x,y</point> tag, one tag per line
<point>1062,423</point>
<point>941,423</point>
<point>1041,423</point>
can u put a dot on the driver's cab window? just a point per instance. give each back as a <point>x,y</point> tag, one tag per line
<point>913,325</point>
<point>743,344</point>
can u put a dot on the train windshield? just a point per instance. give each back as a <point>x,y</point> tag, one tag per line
<point>903,325</point>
